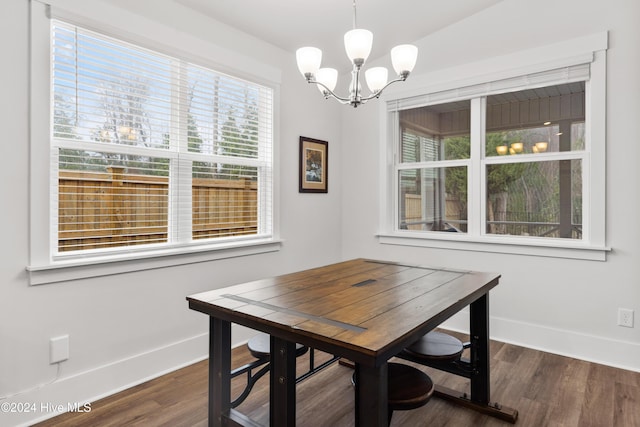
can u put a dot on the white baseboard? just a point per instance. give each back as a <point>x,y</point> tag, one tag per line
<point>89,386</point>
<point>591,348</point>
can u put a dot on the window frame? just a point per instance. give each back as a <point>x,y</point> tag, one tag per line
<point>44,265</point>
<point>437,164</point>
<point>459,84</point>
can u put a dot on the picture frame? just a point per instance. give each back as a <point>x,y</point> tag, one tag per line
<point>314,170</point>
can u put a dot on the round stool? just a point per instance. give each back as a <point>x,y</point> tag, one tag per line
<point>260,346</point>
<point>407,388</point>
<point>436,346</point>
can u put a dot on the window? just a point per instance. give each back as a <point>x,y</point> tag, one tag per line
<point>517,162</point>
<point>150,154</point>
<point>433,169</point>
<point>152,150</point>
<point>535,148</point>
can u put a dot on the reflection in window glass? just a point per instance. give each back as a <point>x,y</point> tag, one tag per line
<point>433,199</point>
<point>523,141</point>
<point>577,136</point>
<point>545,139</point>
<point>547,119</point>
<point>435,132</point>
<point>542,199</point>
<point>537,198</point>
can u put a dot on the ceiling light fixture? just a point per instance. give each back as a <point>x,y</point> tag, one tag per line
<point>357,43</point>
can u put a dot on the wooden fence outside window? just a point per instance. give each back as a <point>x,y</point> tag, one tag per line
<point>105,210</point>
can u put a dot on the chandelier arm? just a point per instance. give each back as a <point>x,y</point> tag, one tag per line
<point>379,92</point>
<point>329,92</point>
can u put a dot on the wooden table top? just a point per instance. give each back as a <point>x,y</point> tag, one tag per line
<point>364,310</point>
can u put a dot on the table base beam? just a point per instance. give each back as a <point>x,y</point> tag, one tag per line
<point>493,409</point>
<point>237,419</point>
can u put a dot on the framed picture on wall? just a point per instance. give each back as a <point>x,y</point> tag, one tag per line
<point>314,156</point>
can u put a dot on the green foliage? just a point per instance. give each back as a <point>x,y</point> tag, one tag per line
<point>456,177</point>
<point>499,177</point>
<point>457,147</point>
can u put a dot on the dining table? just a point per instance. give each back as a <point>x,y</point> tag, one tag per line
<point>363,310</point>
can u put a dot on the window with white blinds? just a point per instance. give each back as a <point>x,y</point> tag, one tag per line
<point>148,149</point>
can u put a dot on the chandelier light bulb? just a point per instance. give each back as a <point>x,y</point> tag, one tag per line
<point>358,45</point>
<point>308,59</point>
<point>328,77</point>
<point>376,78</point>
<point>403,58</point>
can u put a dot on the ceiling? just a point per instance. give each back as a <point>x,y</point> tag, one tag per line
<point>290,24</point>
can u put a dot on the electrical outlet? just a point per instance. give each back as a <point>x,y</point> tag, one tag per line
<point>625,317</point>
<point>58,349</point>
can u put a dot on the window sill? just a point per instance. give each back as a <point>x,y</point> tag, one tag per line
<point>555,248</point>
<point>87,267</point>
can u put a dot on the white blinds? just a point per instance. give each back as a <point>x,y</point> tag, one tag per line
<point>150,149</point>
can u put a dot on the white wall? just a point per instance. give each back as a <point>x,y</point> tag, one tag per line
<point>560,305</point>
<point>132,326</point>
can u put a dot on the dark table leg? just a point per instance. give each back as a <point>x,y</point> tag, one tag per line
<point>480,370</point>
<point>479,331</point>
<point>283,383</point>
<point>219,370</point>
<point>371,396</point>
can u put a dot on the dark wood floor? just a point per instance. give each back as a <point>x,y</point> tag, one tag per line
<point>546,389</point>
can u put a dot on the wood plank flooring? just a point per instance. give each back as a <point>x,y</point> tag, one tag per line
<point>546,389</point>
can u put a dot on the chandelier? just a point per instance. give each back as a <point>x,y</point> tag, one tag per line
<point>357,43</point>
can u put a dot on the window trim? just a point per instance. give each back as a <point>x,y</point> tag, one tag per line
<point>81,268</point>
<point>591,50</point>
<point>43,266</point>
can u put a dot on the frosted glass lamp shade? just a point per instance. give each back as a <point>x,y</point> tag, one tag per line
<point>308,59</point>
<point>358,44</point>
<point>376,78</point>
<point>328,77</point>
<point>403,58</point>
